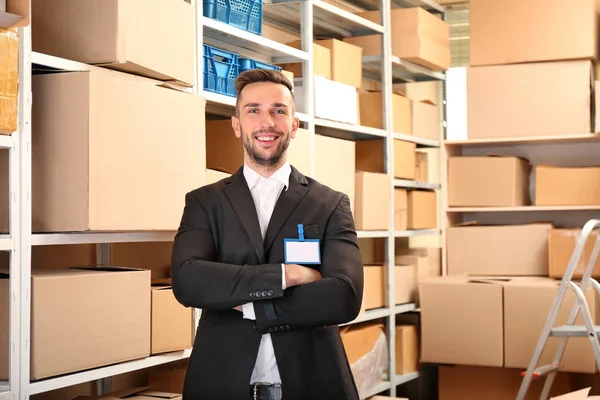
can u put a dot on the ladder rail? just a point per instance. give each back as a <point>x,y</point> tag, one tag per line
<point>551,318</point>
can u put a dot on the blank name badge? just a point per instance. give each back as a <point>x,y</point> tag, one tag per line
<point>302,251</point>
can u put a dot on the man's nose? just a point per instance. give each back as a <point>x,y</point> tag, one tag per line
<point>267,121</point>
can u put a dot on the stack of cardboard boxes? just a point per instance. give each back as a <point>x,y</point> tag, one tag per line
<point>486,316</point>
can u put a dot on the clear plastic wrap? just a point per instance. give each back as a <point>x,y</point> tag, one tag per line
<point>9,79</point>
<point>371,368</point>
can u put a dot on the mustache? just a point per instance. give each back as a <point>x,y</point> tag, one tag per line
<point>271,130</point>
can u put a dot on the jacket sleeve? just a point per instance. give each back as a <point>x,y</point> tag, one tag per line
<point>200,282</point>
<point>333,300</point>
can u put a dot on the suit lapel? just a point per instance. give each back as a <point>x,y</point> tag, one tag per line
<point>286,204</point>
<point>236,190</point>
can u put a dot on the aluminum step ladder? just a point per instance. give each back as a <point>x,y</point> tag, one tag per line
<point>569,330</point>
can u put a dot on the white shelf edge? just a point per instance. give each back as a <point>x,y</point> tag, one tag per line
<point>417,140</point>
<point>372,234</point>
<point>342,126</point>
<point>402,379</point>
<point>59,63</point>
<point>418,232</point>
<point>4,395</point>
<point>6,141</point>
<point>249,37</point>
<point>417,69</point>
<point>104,372</point>
<point>378,388</point>
<point>46,239</point>
<point>6,244</point>
<point>404,308</point>
<point>376,28</point>
<point>405,183</point>
<point>369,315</point>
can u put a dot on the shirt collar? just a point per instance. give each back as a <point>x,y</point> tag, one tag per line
<point>282,175</point>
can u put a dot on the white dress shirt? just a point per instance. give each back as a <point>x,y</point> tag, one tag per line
<point>265,192</point>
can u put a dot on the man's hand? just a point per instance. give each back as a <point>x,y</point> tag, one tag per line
<point>298,275</point>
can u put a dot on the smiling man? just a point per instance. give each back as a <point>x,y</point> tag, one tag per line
<point>271,257</point>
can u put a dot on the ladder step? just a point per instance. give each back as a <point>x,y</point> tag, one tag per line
<point>572,331</point>
<point>543,370</point>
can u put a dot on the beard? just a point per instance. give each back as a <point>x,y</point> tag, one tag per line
<point>264,159</point>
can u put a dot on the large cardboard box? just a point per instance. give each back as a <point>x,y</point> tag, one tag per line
<point>333,100</point>
<point>374,287</point>
<point>558,186</point>
<point>9,80</point>
<point>561,244</point>
<point>371,111</point>
<point>372,201</point>
<point>417,36</point>
<point>523,96</point>
<point>465,383</point>
<point>155,256</point>
<point>526,307</point>
<point>482,181</point>
<point>172,324</point>
<point>407,349</point>
<point>225,152</point>
<point>346,61</point>
<point>405,288</point>
<point>321,60</point>
<point>101,317</point>
<point>124,168</point>
<point>370,157</point>
<point>138,393</point>
<point>422,209</point>
<point>404,159</point>
<point>498,250</point>
<point>335,164</point>
<point>420,267</point>
<point>433,256</point>
<point>426,121</point>
<point>400,209</point>
<point>511,32</point>
<point>120,34</point>
<point>462,321</point>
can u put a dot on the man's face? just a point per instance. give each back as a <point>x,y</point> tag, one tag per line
<point>265,123</point>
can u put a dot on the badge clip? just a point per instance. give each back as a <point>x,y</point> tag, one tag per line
<point>301,232</point>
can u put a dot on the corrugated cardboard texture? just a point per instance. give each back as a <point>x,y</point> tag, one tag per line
<point>561,244</point>
<point>372,201</point>
<point>172,323</point>
<point>9,79</point>
<point>109,310</point>
<point>404,159</point>
<point>465,383</point>
<point>462,322</point>
<point>371,112</point>
<point>556,186</point>
<point>422,209</point>
<point>374,292</point>
<point>407,349</point>
<point>346,61</point>
<point>522,97</point>
<point>106,189</point>
<point>358,340</point>
<point>426,121</point>
<point>335,164</point>
<point>518,31</point>
<point>526,307</point>
<point>508,250</point>
<point>400,209</point>
<point>120,34</point>
<point>321,61</point>
<point>488,181</point>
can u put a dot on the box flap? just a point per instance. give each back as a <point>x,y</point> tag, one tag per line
<point>578,395</point>
<point>160,395</point>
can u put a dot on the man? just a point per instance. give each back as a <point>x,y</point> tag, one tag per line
<point>269,325</point>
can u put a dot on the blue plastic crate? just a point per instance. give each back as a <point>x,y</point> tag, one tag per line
<point>220,70</point>
<point>243,14</point>
<point>249,63</point>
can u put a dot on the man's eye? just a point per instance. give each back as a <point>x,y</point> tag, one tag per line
<point>253,111</point>
<point>280,111</point>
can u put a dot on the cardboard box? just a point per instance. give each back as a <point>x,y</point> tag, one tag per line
<point>335,164</point>
<point>558,186</point>
<point>433,255</point>
<point>321,60</point>
<point>359,340</point>
<point>374,287</point>
<point>404,159</point>
<point>596,117</point>
<point>108,308</point>
<point>4,325</point>
<point>422,209</point>
<point>561,244</point>
<point>140,393</point>
<point>532,31</point>
<point>155,256</point>
<point>426,121</point>
<point>9,79</point>
<point>121,34</point>
<point>417,36</point>
<point>172,324</point>
<point>482,181</point>
<point>523,96</point>
<point>213,176</point>
<point>400,209</point>
<point>370,155</point>
<point>419,92</point>
<point>168,378</point>
<point>405,288</point>
<point>371,112</point>
<point>526,307</point>
<point>407,349</point>
<point>372,201</point>
<point>103,191</point>
<point>225,152</point>
<point>346,61</point>
<point>420,266</point>
<point>422,166</point>
<point>334,101</point>
<point>501,250</point>
<point>462,321</point>
<point>464,383</point>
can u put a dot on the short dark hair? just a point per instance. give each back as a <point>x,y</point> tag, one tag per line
<point>256,76</point>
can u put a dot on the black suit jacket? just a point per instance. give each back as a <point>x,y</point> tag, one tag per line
<point>220,261</point>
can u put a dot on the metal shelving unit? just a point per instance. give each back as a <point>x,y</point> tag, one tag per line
<point>311,18</point>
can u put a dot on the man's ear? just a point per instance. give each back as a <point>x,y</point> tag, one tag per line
<point>295,126</point>
<point>235,124</point>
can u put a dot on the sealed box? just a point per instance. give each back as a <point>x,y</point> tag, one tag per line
<point>372,201</point>
<point>561,245</point>
<point>561,186</point>
<point>346,61</point>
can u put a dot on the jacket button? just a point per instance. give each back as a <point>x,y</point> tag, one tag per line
<point>264,294</point>
<point>251,294</point>
<point>275,329</point>
<point>287,327</point>
<point>270,330</point>
<point>270,293</point>
<point>257,294</point>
